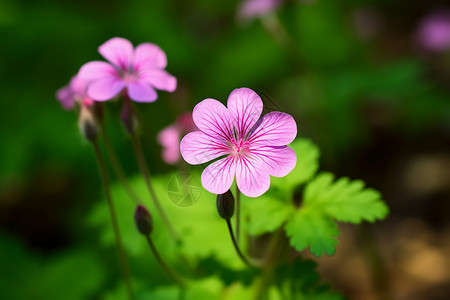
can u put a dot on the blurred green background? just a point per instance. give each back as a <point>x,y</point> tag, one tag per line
<point>352,73</point>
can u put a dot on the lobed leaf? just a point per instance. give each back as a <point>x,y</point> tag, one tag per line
<point>344,200</point>
<point>310,228</point>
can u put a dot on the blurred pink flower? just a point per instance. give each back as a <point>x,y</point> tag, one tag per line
<point>434,32</point>
<point>139,70</point>
<point>73,93</point>
<point>169,137</point>
<point>250,9</point>
<point>253,149</point>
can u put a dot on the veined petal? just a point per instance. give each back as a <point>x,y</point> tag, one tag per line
<point>218,176</point>
<point>246,107</point>
<point>252,176</point>
<point>159,79</point>
<point>274,129</point>
<point>149,55</point>
<point>214,119</point>
<point>280,160</point>
<point>117,51</point>
<point>105,89</point>
<point>197,148</point>
<point>96,70</point>
<point>141,92</point>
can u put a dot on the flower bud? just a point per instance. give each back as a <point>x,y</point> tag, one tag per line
<point>88,123</point>
<point>129,118</point>
<point>143,220</point>
<point>225,205</point>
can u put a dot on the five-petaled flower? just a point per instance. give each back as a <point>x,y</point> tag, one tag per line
<point>140,71</point>
<point>253,148</point>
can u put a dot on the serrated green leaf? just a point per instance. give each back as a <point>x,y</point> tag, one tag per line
<point>344,200</point>
<point>310,228</point>
<point>267,213</point>
<point>307,164</point>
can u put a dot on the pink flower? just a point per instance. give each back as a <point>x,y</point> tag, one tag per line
<point>434,32</point>
<point>169,137</point>
<point>253,149</point>
<point>250,9</point>
<point>139,70</point>
<point>73,93</point>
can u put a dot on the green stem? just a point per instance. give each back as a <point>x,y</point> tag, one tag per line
<point>238,214</point>
<point>238,250</point>
<point>269,264</point>
<point>146,174</point>
<point>120,250</point>
<point>174,275</point>
<point>118,170</point>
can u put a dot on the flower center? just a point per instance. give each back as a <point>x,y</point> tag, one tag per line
<point>240,147</point>
<point>130,77</point>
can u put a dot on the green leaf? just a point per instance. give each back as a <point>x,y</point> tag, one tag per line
<point>310,228</point>
<point>195,224</point>
<point>307,164</point>
<point>267,213</point>
<point>344,200</point>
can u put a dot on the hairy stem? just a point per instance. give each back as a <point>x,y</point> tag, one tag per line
<point>146,174</point>
<point>120,250</point>
<point>118,170</point>
<point>269,264</point>
<point>236,247</point>
<point>238,214</point>
<point>171,272</point>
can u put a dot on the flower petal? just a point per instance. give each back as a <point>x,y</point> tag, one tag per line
<point>280,160</point>
<point>197,148</point>
<point>105,89</point>
<point>252,176</point>
<point>159,79</point>
<point>141,92</point>
<point>96,70</point>
<point>274,129</point>
<point>218,176</point>
<point>117,51</point>
<point>149,55</point>
<point>169,138</point>
<point>65,96</point>
<point>214,119</point>
<point>246,107</point>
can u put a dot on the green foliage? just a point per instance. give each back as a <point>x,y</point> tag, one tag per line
<point>307,165</point>
<point>310,228</point>
<point>267,213</point>
<point>322,202</point>
<point>75,274</point>
<point>344,200</point>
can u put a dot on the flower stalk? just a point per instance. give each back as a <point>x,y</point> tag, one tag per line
<point>238,214</point>
<point>120,250</point>
<point>146,174</point>
<point>144,225</point>
<point>117,168</point>
<point>225,208</point>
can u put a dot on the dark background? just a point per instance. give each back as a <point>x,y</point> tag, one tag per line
<point>353,74</point>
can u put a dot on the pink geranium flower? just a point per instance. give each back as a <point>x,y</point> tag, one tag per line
<point>434,32</point>
<point>73,93</point>
<point>250,9</point>
<point>170,137</point>
<point>140,71</point>
<point>254,148</point>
